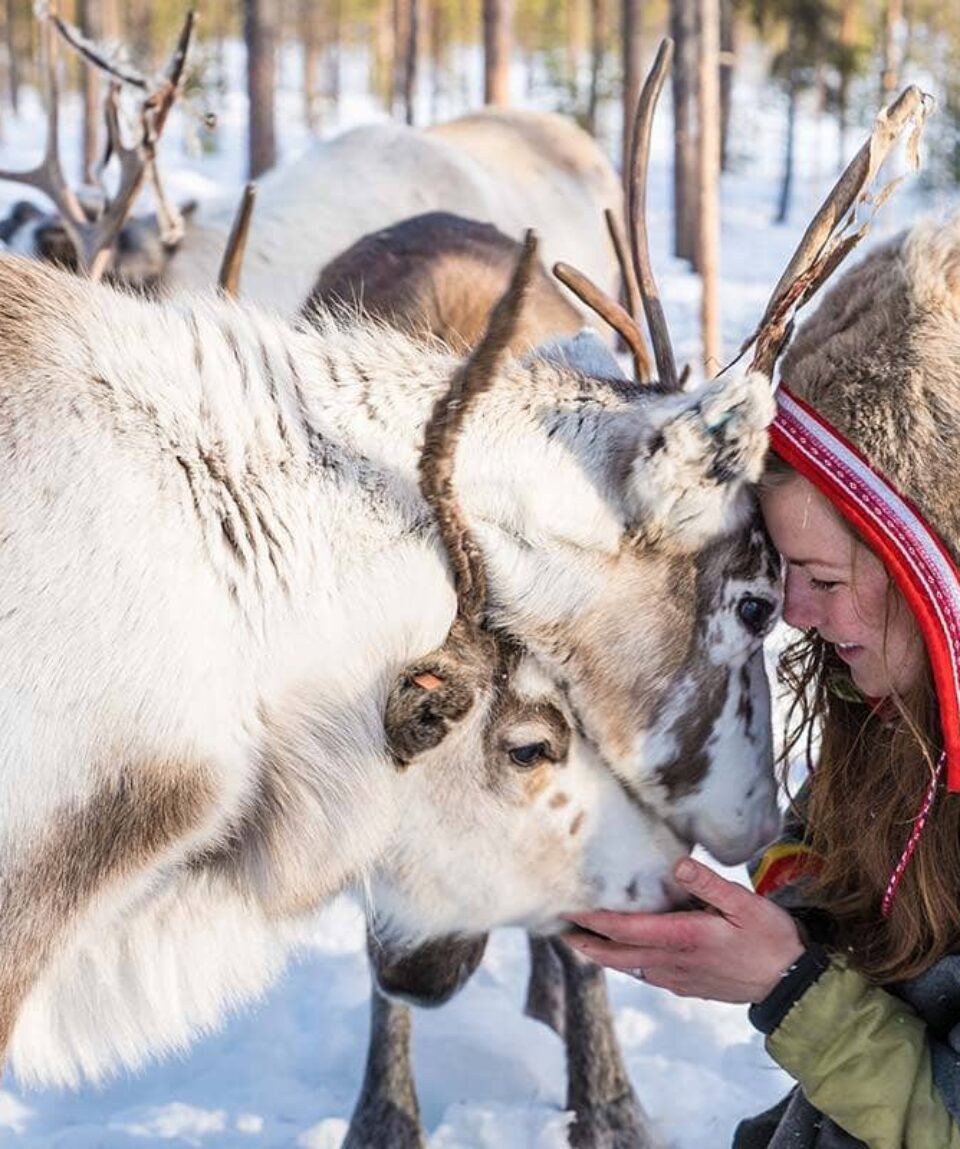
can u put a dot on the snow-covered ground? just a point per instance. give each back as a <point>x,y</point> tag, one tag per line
<point>287,1073</point>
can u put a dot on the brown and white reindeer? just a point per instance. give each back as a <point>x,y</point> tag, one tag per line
<point>227,618</point>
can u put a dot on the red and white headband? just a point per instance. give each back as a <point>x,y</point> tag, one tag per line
<point>894,529</point>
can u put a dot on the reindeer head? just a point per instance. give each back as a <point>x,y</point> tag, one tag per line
<point>562,748</point>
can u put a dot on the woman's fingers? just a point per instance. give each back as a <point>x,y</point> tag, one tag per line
<point>734,950</point>
<point>658,931</point>
<point>730,898</point>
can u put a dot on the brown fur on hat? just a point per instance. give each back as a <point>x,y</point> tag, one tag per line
<point>880,359</point>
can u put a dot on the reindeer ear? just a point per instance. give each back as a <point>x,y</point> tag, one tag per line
<point>427,700</point>
<point>700,449</point>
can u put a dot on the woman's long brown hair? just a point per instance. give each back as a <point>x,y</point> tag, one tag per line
<point>869,775</point>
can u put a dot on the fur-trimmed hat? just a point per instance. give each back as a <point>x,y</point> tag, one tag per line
<point>880,361</point>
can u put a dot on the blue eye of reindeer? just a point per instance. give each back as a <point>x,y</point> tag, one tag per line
<point>754,613</point>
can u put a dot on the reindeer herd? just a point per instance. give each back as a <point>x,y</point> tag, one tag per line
<point>383,577</point>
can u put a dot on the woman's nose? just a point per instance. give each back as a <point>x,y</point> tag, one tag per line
<point>801,607</point>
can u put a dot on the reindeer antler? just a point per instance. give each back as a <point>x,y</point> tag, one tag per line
<point>633,253</point>
<point>829,239</point>
<point>445,425</point>
<point>93,239</point>
<point>637,214</point>
<point>610,312</point>
<point>229,278</point>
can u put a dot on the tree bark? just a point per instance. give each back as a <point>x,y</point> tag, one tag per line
<point>599,34</point>
<point>497,48</point>
<point>708,231</point>
<point>334,52</point>
<point>310,38</point>
<point>848,23</point>
<point>890,75</point>
<point>410,59</point>
<point>13,62</point>
<point>786,187</point>
<point>683,22</point>
<point>632,37</point>
<point>384,50</point>
<point>728,59</point>
<point>260,34</point>
<point>90,21</point>
<point>439,38</point>
<point>401,22</point>
<point>140,31</point>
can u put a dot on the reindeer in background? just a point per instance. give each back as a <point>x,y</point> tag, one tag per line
<point>514,169</point>
<point>89,230</point>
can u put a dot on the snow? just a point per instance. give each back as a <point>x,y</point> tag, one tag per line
<point>287,1072</point>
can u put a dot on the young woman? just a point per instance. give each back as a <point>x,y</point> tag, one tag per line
<point>851,962</point>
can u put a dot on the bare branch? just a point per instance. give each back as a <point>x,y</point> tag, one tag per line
<point>636,214</point>
<point>610,312</point>
<point>229,277</point>
<point>445,425</point>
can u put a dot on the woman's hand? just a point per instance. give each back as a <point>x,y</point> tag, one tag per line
<point>736,950</point>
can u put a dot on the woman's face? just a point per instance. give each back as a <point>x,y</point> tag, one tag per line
<point>837,586</point>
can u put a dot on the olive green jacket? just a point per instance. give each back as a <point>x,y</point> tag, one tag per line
<point>863,1057</point>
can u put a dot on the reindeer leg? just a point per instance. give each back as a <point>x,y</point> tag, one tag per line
<point>387,1113</point>
<point>607,1112</point>
<point>134,824</point>
<point>545,989</point>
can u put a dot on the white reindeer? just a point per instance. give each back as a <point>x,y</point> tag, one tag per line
<point>437,276</point>
<point>226,618</point>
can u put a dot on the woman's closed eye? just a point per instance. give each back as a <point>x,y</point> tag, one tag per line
<point>824,584</point>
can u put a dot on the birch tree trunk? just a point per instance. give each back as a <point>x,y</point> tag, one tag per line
<point>260,33</point>
<point>708,232</point>
<point>497,48</point>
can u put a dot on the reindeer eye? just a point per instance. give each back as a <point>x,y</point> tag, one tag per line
<point>529,755</point>
<point>754,613</point>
